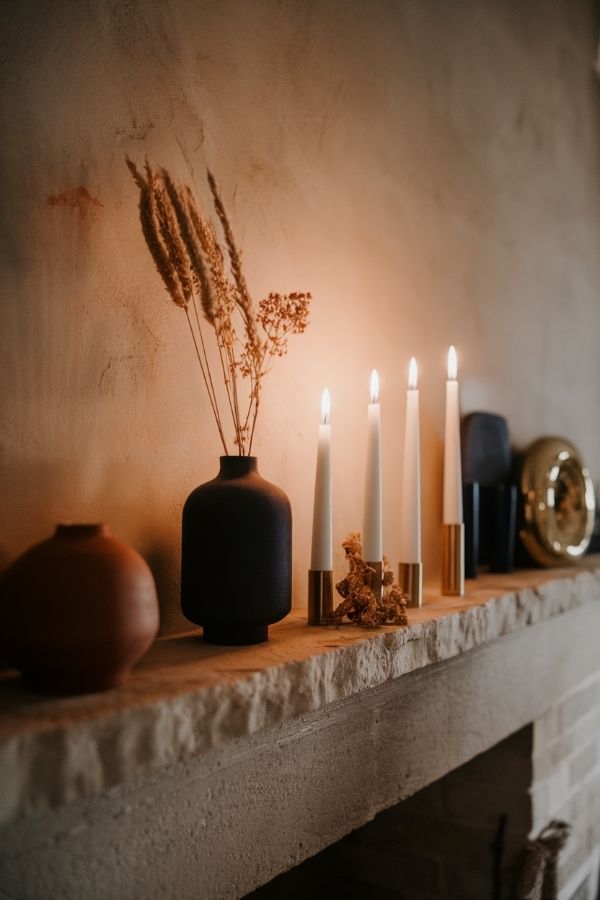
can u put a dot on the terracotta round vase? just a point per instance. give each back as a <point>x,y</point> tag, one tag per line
<point>236,568</point>
<point>77,611</point>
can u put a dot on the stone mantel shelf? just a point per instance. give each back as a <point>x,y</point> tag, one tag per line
<point>186,698</point>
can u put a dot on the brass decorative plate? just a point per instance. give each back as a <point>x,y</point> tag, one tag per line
<point>558,502</point>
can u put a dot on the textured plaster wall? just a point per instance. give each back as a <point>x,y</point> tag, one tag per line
<point>429,170</point>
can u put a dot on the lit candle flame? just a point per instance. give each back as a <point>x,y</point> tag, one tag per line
<point>374,386</point>
<point>325,407</point>
<point>412,374</point>
<point>452,364</point>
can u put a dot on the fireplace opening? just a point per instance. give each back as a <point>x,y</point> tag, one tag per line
<point>463,837</point>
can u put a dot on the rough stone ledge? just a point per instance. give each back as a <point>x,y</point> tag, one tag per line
<point>186,698</point>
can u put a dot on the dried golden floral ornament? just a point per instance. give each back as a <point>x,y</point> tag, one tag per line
<point>209,285</point>
<point>360,605</point>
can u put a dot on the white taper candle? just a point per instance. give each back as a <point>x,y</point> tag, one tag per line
<point>453,504</point>
<point>322,550</point>
<point>410,499</point>
<point>372,524</point>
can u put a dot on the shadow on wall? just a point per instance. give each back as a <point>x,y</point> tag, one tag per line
<point>31,491</point>
<point>5,558</point>
<point>41,494</point>
<point>166,575</point>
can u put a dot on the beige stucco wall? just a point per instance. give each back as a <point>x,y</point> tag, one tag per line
<point>429,170</point>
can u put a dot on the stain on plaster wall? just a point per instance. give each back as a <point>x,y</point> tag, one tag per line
<point>75,198</point>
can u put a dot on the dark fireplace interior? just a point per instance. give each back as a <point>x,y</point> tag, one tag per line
<point>461,838</point>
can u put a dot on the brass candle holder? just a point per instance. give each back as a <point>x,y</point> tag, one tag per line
<point>320,596</point>
<point>453,560</point>
<point>410,579</point>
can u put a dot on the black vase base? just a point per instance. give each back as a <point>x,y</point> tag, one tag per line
<point>235,636</point>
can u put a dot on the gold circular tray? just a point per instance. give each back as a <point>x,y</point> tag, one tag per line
<point>558,502</point>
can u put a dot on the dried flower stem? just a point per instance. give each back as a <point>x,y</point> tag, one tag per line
<point>213,403</point>
<point>211,391</point>
<point>225,379</point>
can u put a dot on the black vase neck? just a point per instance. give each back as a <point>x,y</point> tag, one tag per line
<point>237,466</point>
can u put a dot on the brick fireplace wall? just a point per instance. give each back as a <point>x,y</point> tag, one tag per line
<point>566,783</point>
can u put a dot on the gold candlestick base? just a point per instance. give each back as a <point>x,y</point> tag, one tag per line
<point>320,596</point>
<point>376,579</point>
<point>453,560</point>
<point>410,579</point>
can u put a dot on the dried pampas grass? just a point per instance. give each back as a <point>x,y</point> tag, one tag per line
<point>209,285</point>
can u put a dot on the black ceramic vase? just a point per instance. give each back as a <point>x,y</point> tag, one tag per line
<point>236,565</point>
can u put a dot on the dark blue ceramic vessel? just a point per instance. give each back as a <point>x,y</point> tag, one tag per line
<point>236,567</point>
